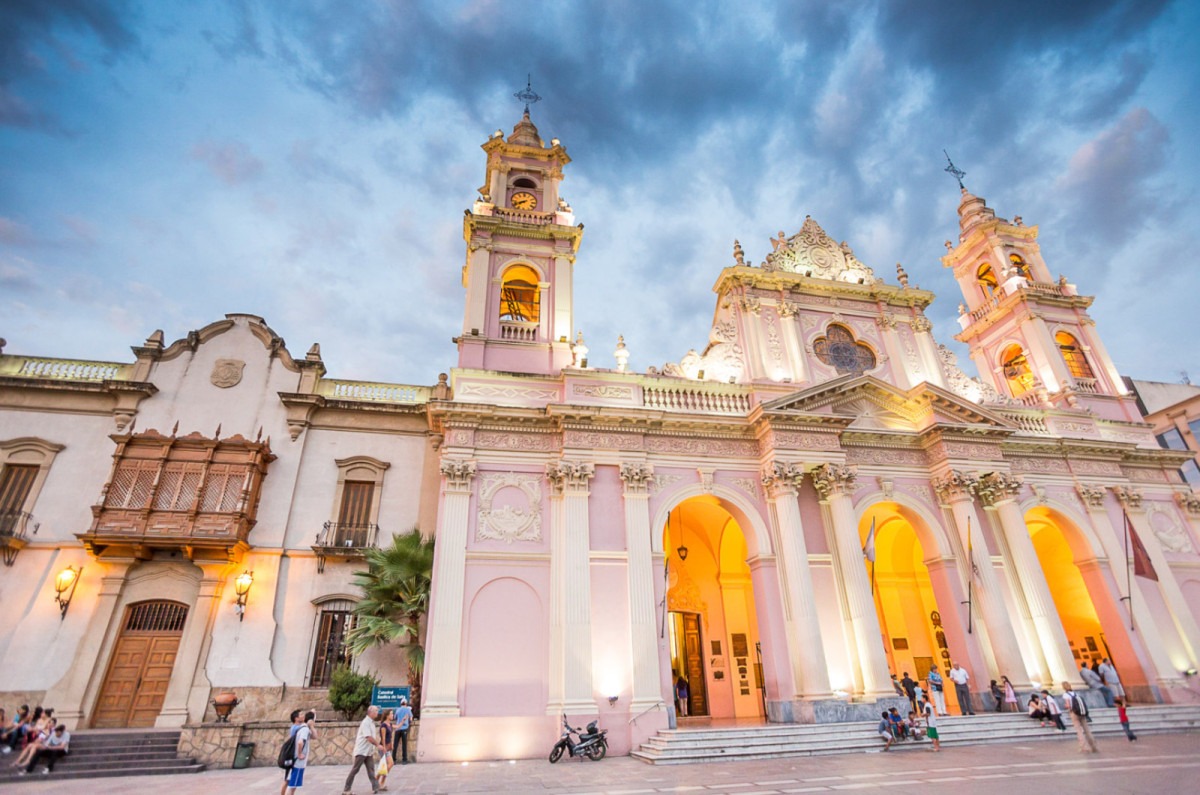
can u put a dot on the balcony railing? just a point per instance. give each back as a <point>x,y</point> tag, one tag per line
<point>343,540</point>
<point>518,331</point>
<point>696,399</point>
<point>524,216</point>
<point>15,528</point>
<point>374,392</point>
<point>64,369</point>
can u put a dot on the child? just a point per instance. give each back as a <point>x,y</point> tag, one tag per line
<point>1124,718</point>
<point>899,728</point>
<point>884,729</point>
<point>915,732</point>
<point>997,695</point>
<point>1037,711</point>
<point>931,723</point>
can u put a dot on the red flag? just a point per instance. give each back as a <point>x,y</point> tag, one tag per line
<point>1142,566</point>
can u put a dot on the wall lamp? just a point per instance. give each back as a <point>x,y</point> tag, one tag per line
<point>612,700</point>
<point>64,588</point>
<point>241,587</point>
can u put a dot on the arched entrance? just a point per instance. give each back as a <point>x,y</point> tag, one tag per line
<point>711,620</point>
<point>139,671</point>
<point>910,622</point>
<point>1092,619</point>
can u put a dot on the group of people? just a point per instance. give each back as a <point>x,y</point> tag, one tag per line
<point>386,733</point>
<point>893,727</point>
<point>36,737</point>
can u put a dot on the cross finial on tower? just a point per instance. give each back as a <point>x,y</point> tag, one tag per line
<point>527,95</point>
<point>958,173</point>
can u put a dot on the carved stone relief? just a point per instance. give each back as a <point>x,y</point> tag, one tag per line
<point>506,440</point>
<point>227,373</point>
<point>660,482</point>
<point>510,508</point>
<point>701,447</point>
<point>1167,526</point>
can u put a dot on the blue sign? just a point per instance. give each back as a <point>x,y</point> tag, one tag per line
<point>389,697</point>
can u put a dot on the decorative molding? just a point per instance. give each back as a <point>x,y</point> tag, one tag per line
<point>458,474</point>
<point>570,477</point>
<point>834,479</point>
<point>603,441</point>
<point>227,373</point>
<point>508,440</point>
<point>1188,501</point>
<point>496,391</point>
<point>508,523</point>
<point>1052,466</point>
<point>683,595</point>
<point>923,493</point>
<point>706,479</point>
<point>610,391</point>
<point>747,485</point>
<point>781,479</point>
<point>1165,523</point>
<point>660,482</point>
<point>1129,496</point>
<point>637,477</point>
<point>995,487</point>
<point>811,252</point>
<point>707,448</point>
<point>1092,496</point>
<point>954,486</point>
<point>886,457</point>
<point>799,440</point>
<point>1089,467</point>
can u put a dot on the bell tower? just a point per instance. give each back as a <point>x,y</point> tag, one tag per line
<point>1030,335</point>
<point>521,245</point>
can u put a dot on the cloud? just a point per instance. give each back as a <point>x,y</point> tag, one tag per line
<point>311,165</point>
<point>231,162</point>
<point>16,276</point>
<point>14,233</point>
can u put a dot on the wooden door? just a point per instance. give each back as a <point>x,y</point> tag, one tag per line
<point>140,669</point>
<point>693,657</point>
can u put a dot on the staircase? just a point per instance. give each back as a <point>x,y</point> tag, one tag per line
<point>770,741</point>
<point>104,754</point>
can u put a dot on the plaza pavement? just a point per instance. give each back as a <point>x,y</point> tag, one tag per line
<point>1158,764</point>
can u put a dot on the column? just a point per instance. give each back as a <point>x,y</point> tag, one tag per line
<point>68,694</point>
<point>894,349</point>
<point>1027,636</point>
<point>444,635</point>
<point>1028,568</point>
<point>835,482</point>
<point>806,650</point>
<point>793,341</point>
<point>570,480</point>
<point>1047,351</point>
<point>189,681</point>
<point>640,574</point>
<point>1177,606</point>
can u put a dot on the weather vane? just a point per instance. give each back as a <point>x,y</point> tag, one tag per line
<point>527,95</point>
<point>958,173</point>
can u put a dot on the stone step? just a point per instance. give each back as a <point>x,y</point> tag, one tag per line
<point>61,773</point>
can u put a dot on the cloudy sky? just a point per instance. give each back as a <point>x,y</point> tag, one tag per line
<point>164,163</point>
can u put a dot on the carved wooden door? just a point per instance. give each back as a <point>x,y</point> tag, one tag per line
<point>139,671</point>
<point>693,656</point>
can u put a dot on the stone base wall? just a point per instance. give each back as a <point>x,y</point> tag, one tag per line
<point>12,700</point>
<point>266,704</point>
<point>215,743</point>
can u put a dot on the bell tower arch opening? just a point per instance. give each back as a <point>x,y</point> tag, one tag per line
<point>715,656</point>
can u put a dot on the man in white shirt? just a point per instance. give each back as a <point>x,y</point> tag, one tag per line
<point>303,746</point>
<point>1108,675</point>
<point>54,748</point>
<point>365,743</point>
<point>960,677</point>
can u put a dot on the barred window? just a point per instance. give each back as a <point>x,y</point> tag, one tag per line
<point>333,622</point>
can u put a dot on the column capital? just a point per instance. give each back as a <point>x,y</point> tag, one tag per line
<point>459,473</point>
<point>955,485</point>
<point>995,487</point>
<point>782,480</point>
<point>1188,501</point>
<point>570,477</point>
<point>1130,497</point>
<point>1092,496</point>
<point>636,477</point>
<point>833,479</point>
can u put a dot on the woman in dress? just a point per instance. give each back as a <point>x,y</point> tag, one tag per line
<point>1010,695</point>
<point>387,733</point>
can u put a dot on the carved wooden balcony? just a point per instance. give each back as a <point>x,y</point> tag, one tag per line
<point>190,494</point>
<point>15,529</point>
<point>344,541</point>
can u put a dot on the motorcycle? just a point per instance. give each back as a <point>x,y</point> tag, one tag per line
<point>592,743</point>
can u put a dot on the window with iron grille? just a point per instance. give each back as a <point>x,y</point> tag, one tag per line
<point>155,617</point>
<point>334,620</point>
<point>15,484</point>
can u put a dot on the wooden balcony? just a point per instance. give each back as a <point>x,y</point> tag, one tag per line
<point>344,542</point>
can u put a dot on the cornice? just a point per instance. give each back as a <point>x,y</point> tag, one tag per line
<point>776,281</point>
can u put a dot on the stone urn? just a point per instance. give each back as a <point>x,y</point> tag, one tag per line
<point>223,704</point>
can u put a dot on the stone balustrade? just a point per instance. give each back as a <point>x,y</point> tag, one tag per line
<point>374,392</point>
<point>696,399</point>
<point>518,331</point>
<point>63,369</point>
<point>1033,424</point>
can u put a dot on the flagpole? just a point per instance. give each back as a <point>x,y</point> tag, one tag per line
<point>970,576</point>
<point>1128,572</point>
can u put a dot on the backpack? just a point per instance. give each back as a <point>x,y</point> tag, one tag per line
<point>1077,706</point>
<point>287,753</point>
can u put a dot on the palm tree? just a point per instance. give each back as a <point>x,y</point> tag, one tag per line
<point>395,588</point>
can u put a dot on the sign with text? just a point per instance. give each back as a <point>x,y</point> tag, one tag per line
<point>389,697</point>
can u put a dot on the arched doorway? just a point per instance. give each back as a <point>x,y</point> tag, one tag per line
<point>913,628</point>
<point>139,671</point>
<point>711,619</point>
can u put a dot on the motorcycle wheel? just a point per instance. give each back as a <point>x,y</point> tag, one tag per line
<point>597,751</point>
<point>556,754</point>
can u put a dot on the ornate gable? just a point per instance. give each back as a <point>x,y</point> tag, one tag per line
<point>811,252</point>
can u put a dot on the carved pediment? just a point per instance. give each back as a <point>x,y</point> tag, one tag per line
<point>812,252</point>
<point>877,405</point>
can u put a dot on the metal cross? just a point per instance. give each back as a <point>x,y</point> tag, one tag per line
<point>527,95</point>
<point>958,173</point>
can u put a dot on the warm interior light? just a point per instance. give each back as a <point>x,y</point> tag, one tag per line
<point>243,582</point>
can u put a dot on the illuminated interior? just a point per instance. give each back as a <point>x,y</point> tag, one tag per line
<point>987,280</point>
<point>1067,587</point>
<point>1077,363</point>
<point>519,295</point>
<point>1016,370</point>
<point>712,623</point>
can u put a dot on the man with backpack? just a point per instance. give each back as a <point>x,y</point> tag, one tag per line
<point>287,752</point>
<point>1078,710</point>
<point>303,745</point>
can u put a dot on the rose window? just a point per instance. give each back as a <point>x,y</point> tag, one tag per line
<point>839,349</point>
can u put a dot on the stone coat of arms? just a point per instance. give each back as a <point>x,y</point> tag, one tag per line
<point>227,373</point>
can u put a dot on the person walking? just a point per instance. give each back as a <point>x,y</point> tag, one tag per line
<point>1078,710</point>
<point>304,733</point>
<point>365,743</point>
<point>404,719</point>
<point>387,739</point>
<point>936,683</point>
<point>1053,710</point>
<point>960,678</point>
<point>930,713</point>
<point>1108,675</point>
<point>1010,695</point>
<point>1123,717</point>
<point>681,696</point>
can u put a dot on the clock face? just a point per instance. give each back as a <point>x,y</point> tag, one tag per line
<point>524,201</point>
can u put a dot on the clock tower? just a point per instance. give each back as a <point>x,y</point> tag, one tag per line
<point>521,245</point>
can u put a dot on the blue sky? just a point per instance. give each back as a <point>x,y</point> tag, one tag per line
<point>164,163</point>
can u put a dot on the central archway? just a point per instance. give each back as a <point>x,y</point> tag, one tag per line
<point>712,622</point>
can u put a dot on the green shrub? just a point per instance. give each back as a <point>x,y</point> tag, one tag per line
<point>350,692</point>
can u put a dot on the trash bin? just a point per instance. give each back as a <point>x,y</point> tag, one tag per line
<point>243,755</point>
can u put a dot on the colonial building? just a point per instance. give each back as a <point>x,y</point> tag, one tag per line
<point>188,522</point>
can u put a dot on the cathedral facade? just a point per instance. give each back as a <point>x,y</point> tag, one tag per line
<point>773,525</point>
